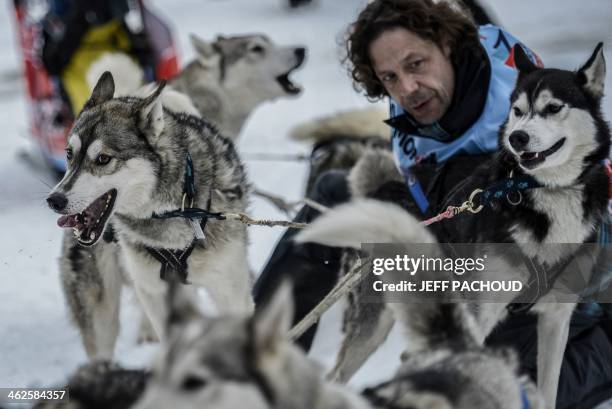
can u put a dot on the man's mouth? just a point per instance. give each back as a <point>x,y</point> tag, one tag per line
<point>89,224</point>
<point>531,160</point>
<point>286,84</point>
<point>419,106</point>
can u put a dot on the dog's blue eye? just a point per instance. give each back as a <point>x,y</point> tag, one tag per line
<point>193,383</point>
<point>552,108</point>
<point>103,159</point>
<point>517,111</point>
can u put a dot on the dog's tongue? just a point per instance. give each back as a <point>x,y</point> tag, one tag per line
<point>67,221</point>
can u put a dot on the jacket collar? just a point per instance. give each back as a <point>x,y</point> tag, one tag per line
<point>472,78</point>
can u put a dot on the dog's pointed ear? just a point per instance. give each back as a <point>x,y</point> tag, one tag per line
<point>592,74</point>
<point>102,92</point>
<point>208,55</point>
<point>271,324</point>
<point>203,48</point>
<point>521,60</point>
<point>182,308</point>
<point>151,112</point>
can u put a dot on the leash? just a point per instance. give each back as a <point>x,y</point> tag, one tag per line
<point>509,188</point>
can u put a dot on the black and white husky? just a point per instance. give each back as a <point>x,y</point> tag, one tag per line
<point>554,134</point>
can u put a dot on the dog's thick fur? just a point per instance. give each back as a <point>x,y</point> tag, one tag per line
<point>226,81</point>
<point>101,384</point>
<point>137,149</point>
<point>226,361</point>
<point>554,112</point>
<point>238,361</point>
<point>339,140</point>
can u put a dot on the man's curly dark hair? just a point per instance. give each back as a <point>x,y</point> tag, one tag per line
<point>437,22</point>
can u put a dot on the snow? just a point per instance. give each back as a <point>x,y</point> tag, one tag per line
<point>38,345</point>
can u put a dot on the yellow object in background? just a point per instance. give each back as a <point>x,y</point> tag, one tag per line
<point>108,37</point>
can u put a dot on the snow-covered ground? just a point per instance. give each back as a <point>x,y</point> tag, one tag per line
<point>38,346</point>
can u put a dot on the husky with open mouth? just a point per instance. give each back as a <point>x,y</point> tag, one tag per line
<point>226,81</point>
<point>132,160</point>
<point>555,142</point>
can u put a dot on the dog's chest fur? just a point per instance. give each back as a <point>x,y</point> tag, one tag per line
<point>564,218</point>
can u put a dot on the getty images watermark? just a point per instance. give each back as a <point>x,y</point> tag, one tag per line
<point>487,272</point>
<point>457,266</point>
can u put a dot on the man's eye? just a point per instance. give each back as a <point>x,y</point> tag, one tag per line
<point>517,111</point>
<point>552,108</point>
<point>103,159</point>
<point>415,65</point>
<point>388,78</point>
<point>68,154</point>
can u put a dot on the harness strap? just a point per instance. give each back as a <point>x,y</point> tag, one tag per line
<point>542,279</point>
<point>175,261</point>
<point>416,190</point>
<point>172,262</point>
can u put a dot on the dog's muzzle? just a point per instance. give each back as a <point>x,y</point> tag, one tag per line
<point>89,224</point>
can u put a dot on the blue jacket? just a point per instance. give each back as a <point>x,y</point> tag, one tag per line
<point>481,137</point>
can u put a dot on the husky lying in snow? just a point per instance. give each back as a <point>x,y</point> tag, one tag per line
<point>555,134</point>
<point>130,159</point>
<point>228,79</point>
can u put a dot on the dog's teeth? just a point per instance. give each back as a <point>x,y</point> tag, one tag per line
<point>536,155</point>
<point>92,236</point>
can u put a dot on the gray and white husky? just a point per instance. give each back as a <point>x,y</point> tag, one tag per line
<point>226,361</point>
<point>228,78</point>
<point>238,361</point>
<point>226,81</point>
<point>555,134</point>
<point>127,161</point>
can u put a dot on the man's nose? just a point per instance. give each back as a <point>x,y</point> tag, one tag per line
<point>409,85</point>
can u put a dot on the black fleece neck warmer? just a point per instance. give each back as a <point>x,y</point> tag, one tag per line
<point>472,78</point>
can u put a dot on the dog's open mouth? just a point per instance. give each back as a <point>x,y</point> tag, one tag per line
<point>530,160</point>
<point>89,224</point>
<point>289,86</point>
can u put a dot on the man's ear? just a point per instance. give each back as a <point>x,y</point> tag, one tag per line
<point>102,92</point>
<point>271,324</point>
<point>592,74</point>
<point>151,112</point>
<point>521,60</point>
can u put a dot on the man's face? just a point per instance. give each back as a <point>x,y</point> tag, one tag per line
<point>415,72</point>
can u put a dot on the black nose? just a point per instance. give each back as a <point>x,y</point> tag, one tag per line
<point>57,201</point>
<point>518,140</point>
<point>300,53</point>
